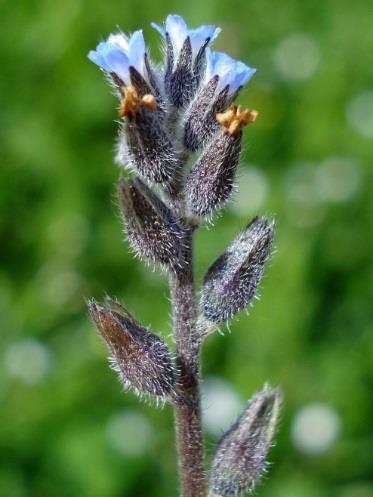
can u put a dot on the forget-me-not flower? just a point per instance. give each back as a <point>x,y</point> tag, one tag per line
<point>185,57</point>
<point>178,31</point>
<point>223,78</point>
<point>119,53</point>
<point>231,72</point>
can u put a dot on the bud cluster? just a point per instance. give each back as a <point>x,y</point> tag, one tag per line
<point>180,138</point>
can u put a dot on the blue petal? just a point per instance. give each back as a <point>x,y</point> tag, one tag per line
<point>219,64</point>
<point>111,58</point>
<point>230,71</point>
<point>136,50</point>
<point>243,75</point>
<point>119,39</point>
<point>97,59</point>
<point>177,29</point>
<point>119,63</point>
<point>159,28</point>
<point>200,35</point>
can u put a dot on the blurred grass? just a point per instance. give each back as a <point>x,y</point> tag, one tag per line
<point>310,159</point>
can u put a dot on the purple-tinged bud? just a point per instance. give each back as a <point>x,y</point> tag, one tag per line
<point>200,122</point>
<point>151,227</point>
<point>210,182</point>
<point>145,147</point>
<point>180,84</point>
<point>240,458</point>
<point>231,282</point>
<point>139,356</point>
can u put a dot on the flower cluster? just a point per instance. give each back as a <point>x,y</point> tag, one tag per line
<point>181,100</point>
<point>181,136</point>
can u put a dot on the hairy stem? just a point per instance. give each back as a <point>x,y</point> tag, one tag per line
<point>187,405</point>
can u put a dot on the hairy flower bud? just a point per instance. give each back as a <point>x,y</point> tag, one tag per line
<point>223,79</point>
<point>240,457</point>
<point>146,148</point>
<point>231,282</point>
<point>151,227</point>
<point>180,84</point>
<point>211,180</point>
<point>200,122</point>
<point>141,359</point>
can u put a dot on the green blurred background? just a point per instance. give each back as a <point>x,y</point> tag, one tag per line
<point>66,429</point>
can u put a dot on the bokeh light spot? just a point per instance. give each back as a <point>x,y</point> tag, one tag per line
<point>252,192</point>
<point>359,113</point>
<point>130,433</point>
<point>337,179</point>
<point>27,360</point>
<point>315,428</point>
<point>220,405</point>
<point>297,57</point>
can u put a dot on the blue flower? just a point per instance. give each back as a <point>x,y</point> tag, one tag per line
<point>119,53</point>
<point>178,31</point>
<point>230,71</point>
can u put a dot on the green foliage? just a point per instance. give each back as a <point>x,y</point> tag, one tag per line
<point>66,429</point>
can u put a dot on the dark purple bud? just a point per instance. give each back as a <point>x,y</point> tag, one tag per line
<point>200,122</point>
<point>140,358</point>
<point>240,458</point>
<point>151,227</point>
<point>231,282</point>
<point>194,119</point>
<point>210,182</point>
<point>146,148</point>
<point>180,82</point>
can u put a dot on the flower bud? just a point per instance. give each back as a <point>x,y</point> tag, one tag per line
<point>200,122</point>
<point>180,83</point>
<point>231,282</point>
<point>240,458</point>
<point>151,227</point>
<point>146,149</point>
<point>140,358</point>
<point>223,79</point>
<point>211,180</point>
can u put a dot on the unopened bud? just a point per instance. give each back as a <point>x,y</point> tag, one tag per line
<point>144,145</point>
<point>200,117</point>
<point>180,82</point>
<point>211,180</point>
<point>231,282</point>
<point>151,227</point>
<point>240,458</point>
<point>139,356</point>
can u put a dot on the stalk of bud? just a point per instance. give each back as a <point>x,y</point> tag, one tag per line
<point>240,458</point>
<point>139,356</point>
<point>151,227</point>
<point>232,280</point>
